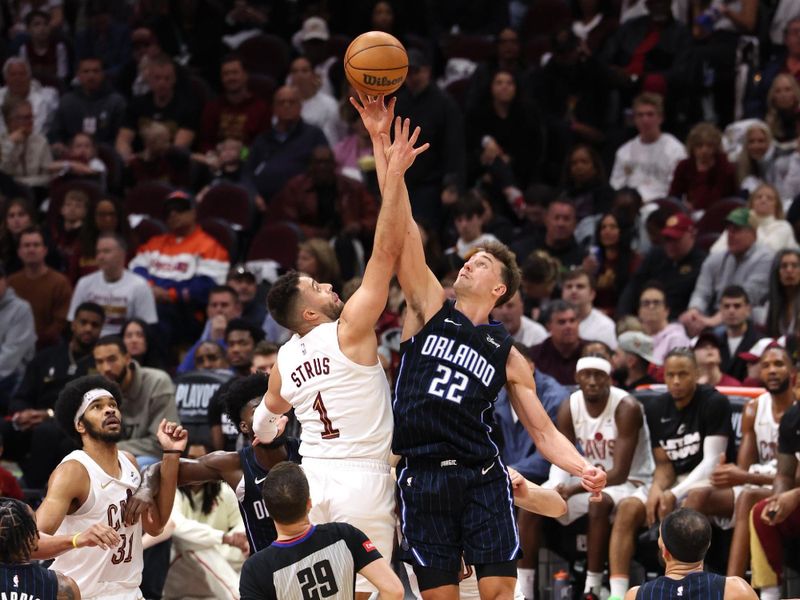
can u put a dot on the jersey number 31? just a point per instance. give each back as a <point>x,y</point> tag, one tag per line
<point>448,384</point>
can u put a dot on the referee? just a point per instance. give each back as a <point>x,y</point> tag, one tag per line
<point>19,577</point>
<point>310,561</point>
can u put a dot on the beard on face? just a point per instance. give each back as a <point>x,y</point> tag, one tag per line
<point>782,387</point>
<point>620,376</point>
<point>121,377</point>
<point>334,310</point>
<point>109,437</point>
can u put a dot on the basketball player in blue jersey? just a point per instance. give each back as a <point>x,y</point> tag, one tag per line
<point>19,576</point>
<point>245,470</point>
<point>454,492</point>
<point>683,540</point>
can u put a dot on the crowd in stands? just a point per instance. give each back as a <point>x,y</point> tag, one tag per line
<point>162,163</point>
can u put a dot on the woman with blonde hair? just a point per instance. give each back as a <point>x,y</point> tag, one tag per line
<point>783,109</point>
<point>766,215</point>
<point>756,163</point>
<point>316,258</point>
<point>706,175</point>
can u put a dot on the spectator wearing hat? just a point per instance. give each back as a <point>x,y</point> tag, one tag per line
<point>632,360</point>
<point>676,263</point>
<point>252,297</point>
<point>17,338</point>
<point>648,161</point>
<point>442,125</point>
<point>752,357</point>
<point>737,332</point>
<point>707,349</point>
<point>312,41</point>
<point>746,262</point>
<point>181,266</point>
<point>654,316</point>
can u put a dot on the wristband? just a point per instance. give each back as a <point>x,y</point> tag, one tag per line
<point>75,540</point>
<point>172,452</point>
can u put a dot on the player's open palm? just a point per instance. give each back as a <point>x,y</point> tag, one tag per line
<point>376,115</point>
<point>401,153</point>
<point>172,436</point>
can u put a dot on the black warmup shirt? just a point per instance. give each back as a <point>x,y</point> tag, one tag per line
<point>789,431</point>
<point>681,432</point>
<point>321,563</point>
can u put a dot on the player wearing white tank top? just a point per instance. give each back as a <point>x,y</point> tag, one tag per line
<point>735,488</point>
<point>93,485</point>
<point>330,373</point>
<point>608,424</point>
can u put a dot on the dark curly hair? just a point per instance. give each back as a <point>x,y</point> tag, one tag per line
<point>237,392</point>
<point>70,398</point>
<point>282,299</point>
<point>18,533</point>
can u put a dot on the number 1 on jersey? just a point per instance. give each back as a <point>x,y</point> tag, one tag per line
<point>328,433</point>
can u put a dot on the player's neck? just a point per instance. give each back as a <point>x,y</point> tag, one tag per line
<point>676,570</point>
<point>294,530</point>
<point>782,400</point>
<point>595,408</point>
<point>475,311</point>
<point>104,454</point>
<point>269,457</point>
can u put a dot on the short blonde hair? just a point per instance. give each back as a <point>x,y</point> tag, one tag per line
<point>650,99</point>
<point>778,213</point>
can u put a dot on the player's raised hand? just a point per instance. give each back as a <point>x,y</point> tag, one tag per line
<point>593,480</point>
<point>280,424</point>
<point>99,535</point>
<point>172,436</point>
<point>401,153</point>
<point>376,114</point>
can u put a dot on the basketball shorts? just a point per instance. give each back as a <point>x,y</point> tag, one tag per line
<point>358,492</point>
<point>449,510</point>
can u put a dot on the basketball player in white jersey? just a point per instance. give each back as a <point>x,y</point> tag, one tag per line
<point>608,424</point>
<point>330,374</point>
<point>93,484</point>
<point>736,488</point>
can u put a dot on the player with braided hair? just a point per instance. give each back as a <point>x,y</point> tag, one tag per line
<point>19,577</point>
<point>245,470</point>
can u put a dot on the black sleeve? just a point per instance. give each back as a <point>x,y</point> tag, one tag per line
<point>789,431</point>
<point>651,417</point>
<point>360,546</point>
<point>215,410</point>
<point>255,582</point>
<point>132,113</point>
<point>717,415</point>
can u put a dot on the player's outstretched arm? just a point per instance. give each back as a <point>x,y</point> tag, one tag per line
<point>215,466</point>
<point>548,439</point>
<point>362,311</point>
<point>377,116</point>
<point>268,419</point>
<point>173,439</point>
<point>533,498</point>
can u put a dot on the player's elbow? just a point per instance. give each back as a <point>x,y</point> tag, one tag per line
<point>392,590</point>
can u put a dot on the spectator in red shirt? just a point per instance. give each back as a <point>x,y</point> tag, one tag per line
<point>706,176</point>
<point>236,113</point>
<point>9,486</point>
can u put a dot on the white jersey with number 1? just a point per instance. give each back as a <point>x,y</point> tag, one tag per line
<point>344,408</point>
<point>116,573</point>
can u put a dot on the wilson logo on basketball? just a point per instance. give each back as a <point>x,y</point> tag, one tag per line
<point>381,81</point>
<point>368,546</point>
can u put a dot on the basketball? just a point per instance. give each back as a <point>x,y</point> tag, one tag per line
<point>376,63</point>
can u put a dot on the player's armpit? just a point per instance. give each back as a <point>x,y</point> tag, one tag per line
<point>67,490</point>
<point>67,588</point>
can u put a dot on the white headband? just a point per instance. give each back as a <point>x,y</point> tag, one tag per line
<point>88,398</point>
<point>593,362</point>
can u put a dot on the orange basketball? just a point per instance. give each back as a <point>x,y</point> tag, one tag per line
<point>376,63</point>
